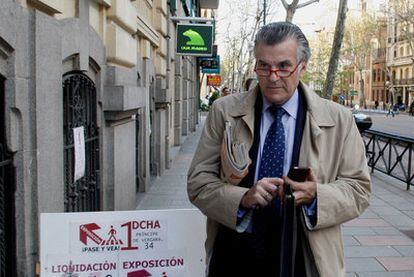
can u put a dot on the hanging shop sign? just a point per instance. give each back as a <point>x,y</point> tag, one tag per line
<point>124,243</point>
<point>214,80</point>
<point>210,65</point>
<point>195,39</point>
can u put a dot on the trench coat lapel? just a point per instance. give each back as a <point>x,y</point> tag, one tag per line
<point>317,119</point>
<point>246,109</point>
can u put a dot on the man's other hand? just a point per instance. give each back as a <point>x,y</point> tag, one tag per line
<point>304,192</point>
<point>262,193</point>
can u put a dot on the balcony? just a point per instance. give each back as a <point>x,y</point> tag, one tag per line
<point>209,4</point>
<point>407,81</point>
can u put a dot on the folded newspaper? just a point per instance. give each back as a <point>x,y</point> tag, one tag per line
<point>234,158</point>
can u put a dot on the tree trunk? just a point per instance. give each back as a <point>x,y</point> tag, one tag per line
<point>362,102</point>
<point>291,9</point>
<point>336,49</point>
<point>290,13</point>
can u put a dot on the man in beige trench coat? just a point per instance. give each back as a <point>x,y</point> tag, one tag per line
<point>226,180</point>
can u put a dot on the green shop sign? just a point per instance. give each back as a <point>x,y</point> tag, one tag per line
<point>195,39</point>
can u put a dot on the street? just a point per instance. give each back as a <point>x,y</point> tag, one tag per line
<point>400,125</point>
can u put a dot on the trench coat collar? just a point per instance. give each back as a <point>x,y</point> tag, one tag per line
<point>315,107</point>
<point>245,109</point>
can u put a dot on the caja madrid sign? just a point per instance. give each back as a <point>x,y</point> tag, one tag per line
<point>195,39</point>
<point>131,243</point>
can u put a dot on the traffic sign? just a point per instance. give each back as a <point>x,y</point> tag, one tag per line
<point>353,93</point>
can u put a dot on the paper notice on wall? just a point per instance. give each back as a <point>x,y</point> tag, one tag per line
<point>79,142</point>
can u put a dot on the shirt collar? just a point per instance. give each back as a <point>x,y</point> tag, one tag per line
<point>290,106</point>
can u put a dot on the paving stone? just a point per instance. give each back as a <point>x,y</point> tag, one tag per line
<point>386,210</point>
<point>182,204</point>
<point>384,240</point>
<point>386,230</point>
<point>350,241</point>
<point>409,213</point>
<point>405,250</point>
<point>362,265</point>
<point>399,220</point>
<point>378,202</point>
<point>397,263</point>
<point>368,214</point>
<point>351,231</point>
<point>402,205</point>
<point>370,251</point>
<point>366,222</point>
<point>386,274</point>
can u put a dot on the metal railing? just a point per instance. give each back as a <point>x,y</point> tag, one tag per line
<point>390,154</point>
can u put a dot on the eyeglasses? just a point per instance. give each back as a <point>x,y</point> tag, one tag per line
<point>281,73</point>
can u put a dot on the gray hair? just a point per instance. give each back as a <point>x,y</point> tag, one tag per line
<point>278,32</point>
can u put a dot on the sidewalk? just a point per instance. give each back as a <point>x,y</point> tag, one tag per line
<point>376,244</point>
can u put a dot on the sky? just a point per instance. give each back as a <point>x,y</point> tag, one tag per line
<point>314,17</point>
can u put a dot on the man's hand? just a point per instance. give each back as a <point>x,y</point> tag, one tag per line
<point>262,193</point>
<point>304,192</point>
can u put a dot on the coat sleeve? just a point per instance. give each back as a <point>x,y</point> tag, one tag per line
<point>348,195</point>
<point>216,199</point>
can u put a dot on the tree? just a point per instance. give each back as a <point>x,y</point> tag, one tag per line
<point>291,8</point>
<point>241,31</point>
<point>336,49</point>
<point>357,47</point>
<point>318,66</point>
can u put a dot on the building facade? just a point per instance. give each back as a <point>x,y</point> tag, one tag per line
<point>400,61</point>
<point>378,93</point>
<point>104,70</point>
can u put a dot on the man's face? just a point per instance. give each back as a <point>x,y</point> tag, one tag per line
<point>279,56</point>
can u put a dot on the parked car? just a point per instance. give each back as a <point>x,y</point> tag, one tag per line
<point>363,121</point>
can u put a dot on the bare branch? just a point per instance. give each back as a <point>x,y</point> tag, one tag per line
<point>285,5</point>
<point>306,4</point>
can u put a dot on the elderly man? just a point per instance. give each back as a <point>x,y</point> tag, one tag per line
<point>251,141</point>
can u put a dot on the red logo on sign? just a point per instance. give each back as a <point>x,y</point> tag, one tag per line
<point>86,231</point>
